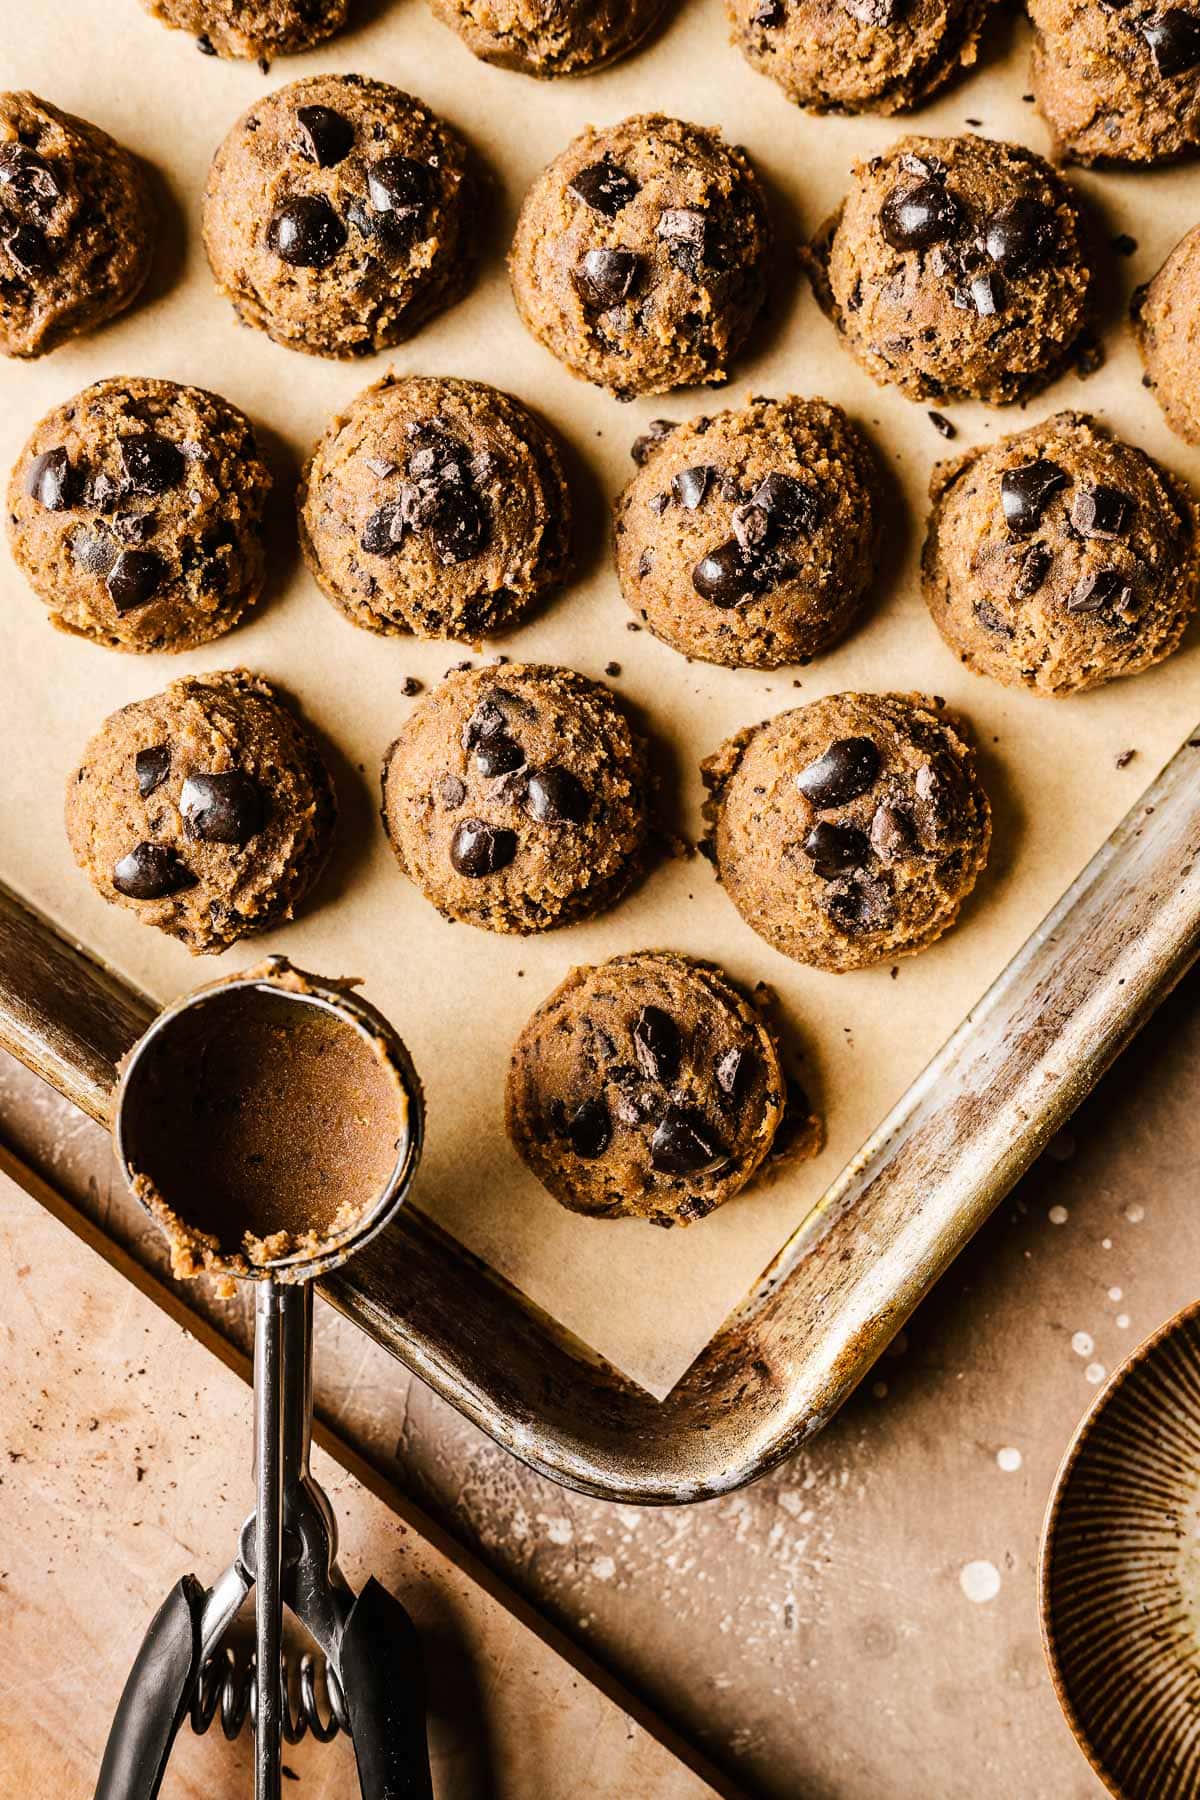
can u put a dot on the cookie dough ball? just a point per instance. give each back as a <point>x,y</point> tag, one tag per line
<point>849,832</point>
<point>640,255</point>
<point>516,797</point>
<point>648,1088</point>
<point>77,226</point>
<point>438,507</point>
<point>339,214</point>
<point>253,28</point>
<point>858,55</point>
<point>750,538</point>
<point>1166,321</point>
<point>957,269</point>
<point>135,513</point>
<point>206,810</point>
<point>572,37</point>
<point>1060,557</point>
<point>1117,82</point>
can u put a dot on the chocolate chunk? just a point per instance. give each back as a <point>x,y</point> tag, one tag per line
<point>604,186</point>
<point>790,505</point>
<point>859,902</point>
<point>52,481</point>
<point>152,463</point>
<point>847,769</point>
<point>478,848</point>
<point>735,1071</point>
<point>486,721</point>
<point>152,768</point>
<point>383,533</point>
<point>991,620</point>
<point>769,14</point>
<point>1097,589</point>
<point>645,564</point>
<point>1022,236</point>
<point>498,754</point>
<point>657,1044</point>
<point>94,552</point>
<point>1035,566</point>
<point>876,13</point>
<point>29,250</point>
<point>891,833</point>
<point>683,231</point>
<point>684,1145</point>
<point>400,184</point>
<point>606,277</point>
<point>917,216</point>
<point>28,180</point>
<point>458,531</point>
<point>728,575</point>
<point>306,232</point>
<point>150,872</point>
<point>987,295</point>
<point>453,791</point>
<point>1024,492</point>
<point>690,485</point>
<point>1102,512</point>
<point>134,579</point>
<point>554,796</point>
<point>221,808</point>
<point>833,849</point>
<point>590,1129</point>
<point>942,424</point>
<point>101,492</point>
<point>328,136</point>
<point>651,438</point>
<point>205,45</point>
<point>1174,40</point>
<point>750,526</point>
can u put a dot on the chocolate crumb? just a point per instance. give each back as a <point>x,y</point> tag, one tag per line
<point>613,669</point>
<point>410,686</point>
<point>941,423</point>
<point>1123,244</point>
<point>1125,758</point>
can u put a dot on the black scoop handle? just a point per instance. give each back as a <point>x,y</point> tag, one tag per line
<point>383,1681</point>
<point>155,1698</point>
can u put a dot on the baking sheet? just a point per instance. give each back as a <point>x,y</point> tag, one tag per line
<point>648,1300</point>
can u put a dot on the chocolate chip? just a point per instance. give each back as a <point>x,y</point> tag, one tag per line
<point>554,796</point>
<point>987,295</point>
<point>150,872</point>
<point>1102,512</point>
<point>1174,40</point>
<point>498,754</point>
<point>590,1129</point>
<point>152,767</point>
<point>833,849</point>
<point>915,217</point>
<point>152,463</point>
<point>221,808</point>
<point>991,620</point>
<point>1025,490</point>
<point>328,135</point>
<point>735,1071</point>
<point>848,768</point>
<point>383,533</point>
<point>606,277</point>
<point>306,232</point>
<point>400,184</point>
<point>29,250</point>
<point>604,186</point>
<point>134,579</point>
<point>858,903</point>
<point>478,848</point>
<point>651,438</point>
<point>1097,589</point>
<point>1022,236</point>
<point>683,229</point>
<point>452,790</point>
<point>727,576</point>
<point>1035,566</point>
<point>690,485</point>
<point>644,566</point>
<point>891,833</point>
<point>769,14</point>
<point>790,505</point>
<point>28,180</point>
<point>460,527</point>
<point>683,1144</point>
<point>657,1044</point>
<point>876,13</point>
<point>205,45</point>
<point>52,481</point>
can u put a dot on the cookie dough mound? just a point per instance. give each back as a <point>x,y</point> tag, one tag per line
<point>1118,83</point>
<point>252,27</point>
<point>516,797</point>
<point>957,269</point>
<point>572,37</point>
<point>749,538</point>
<point>849,832</point>
<point>648,1088</point>
<point>1060,557</point>
<point>640,255</point>
<point>207,810</point>
<point>1166,322</point>
<point>858,55</point>
<point>339,215</point>
<point>134,511</point>
<point>438,507</point>
<point>77,226</point>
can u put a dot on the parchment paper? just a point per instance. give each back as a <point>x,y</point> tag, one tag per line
<point>646,1299</point>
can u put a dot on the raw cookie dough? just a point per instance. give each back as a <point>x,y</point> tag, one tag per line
<point>339,215</point>
<point>207,809</point>
<point>1060,557</point>
<point>135,513</point>
<point>957,268</point>
<point>1166,323</point>
<point>640,255</point>
<point>77,226</point>
<point>648,1088</point>
<point>568,37</point>
<point>255,28</point>
<point>516,797</point>
<point>438,507</point>
<point>858,55</point>
<point>750,538</point>
<point>1117,82</point>
<point>849,832</point>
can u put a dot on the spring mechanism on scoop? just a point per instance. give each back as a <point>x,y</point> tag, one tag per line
<point>226,1686</point>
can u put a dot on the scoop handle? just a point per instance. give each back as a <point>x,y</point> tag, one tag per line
<point>154,1699</point>
<point>383,1680</point>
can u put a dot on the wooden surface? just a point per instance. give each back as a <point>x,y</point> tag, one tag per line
<point>124,1463</point>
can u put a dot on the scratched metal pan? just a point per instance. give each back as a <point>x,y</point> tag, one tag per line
<point>830,1302</point>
